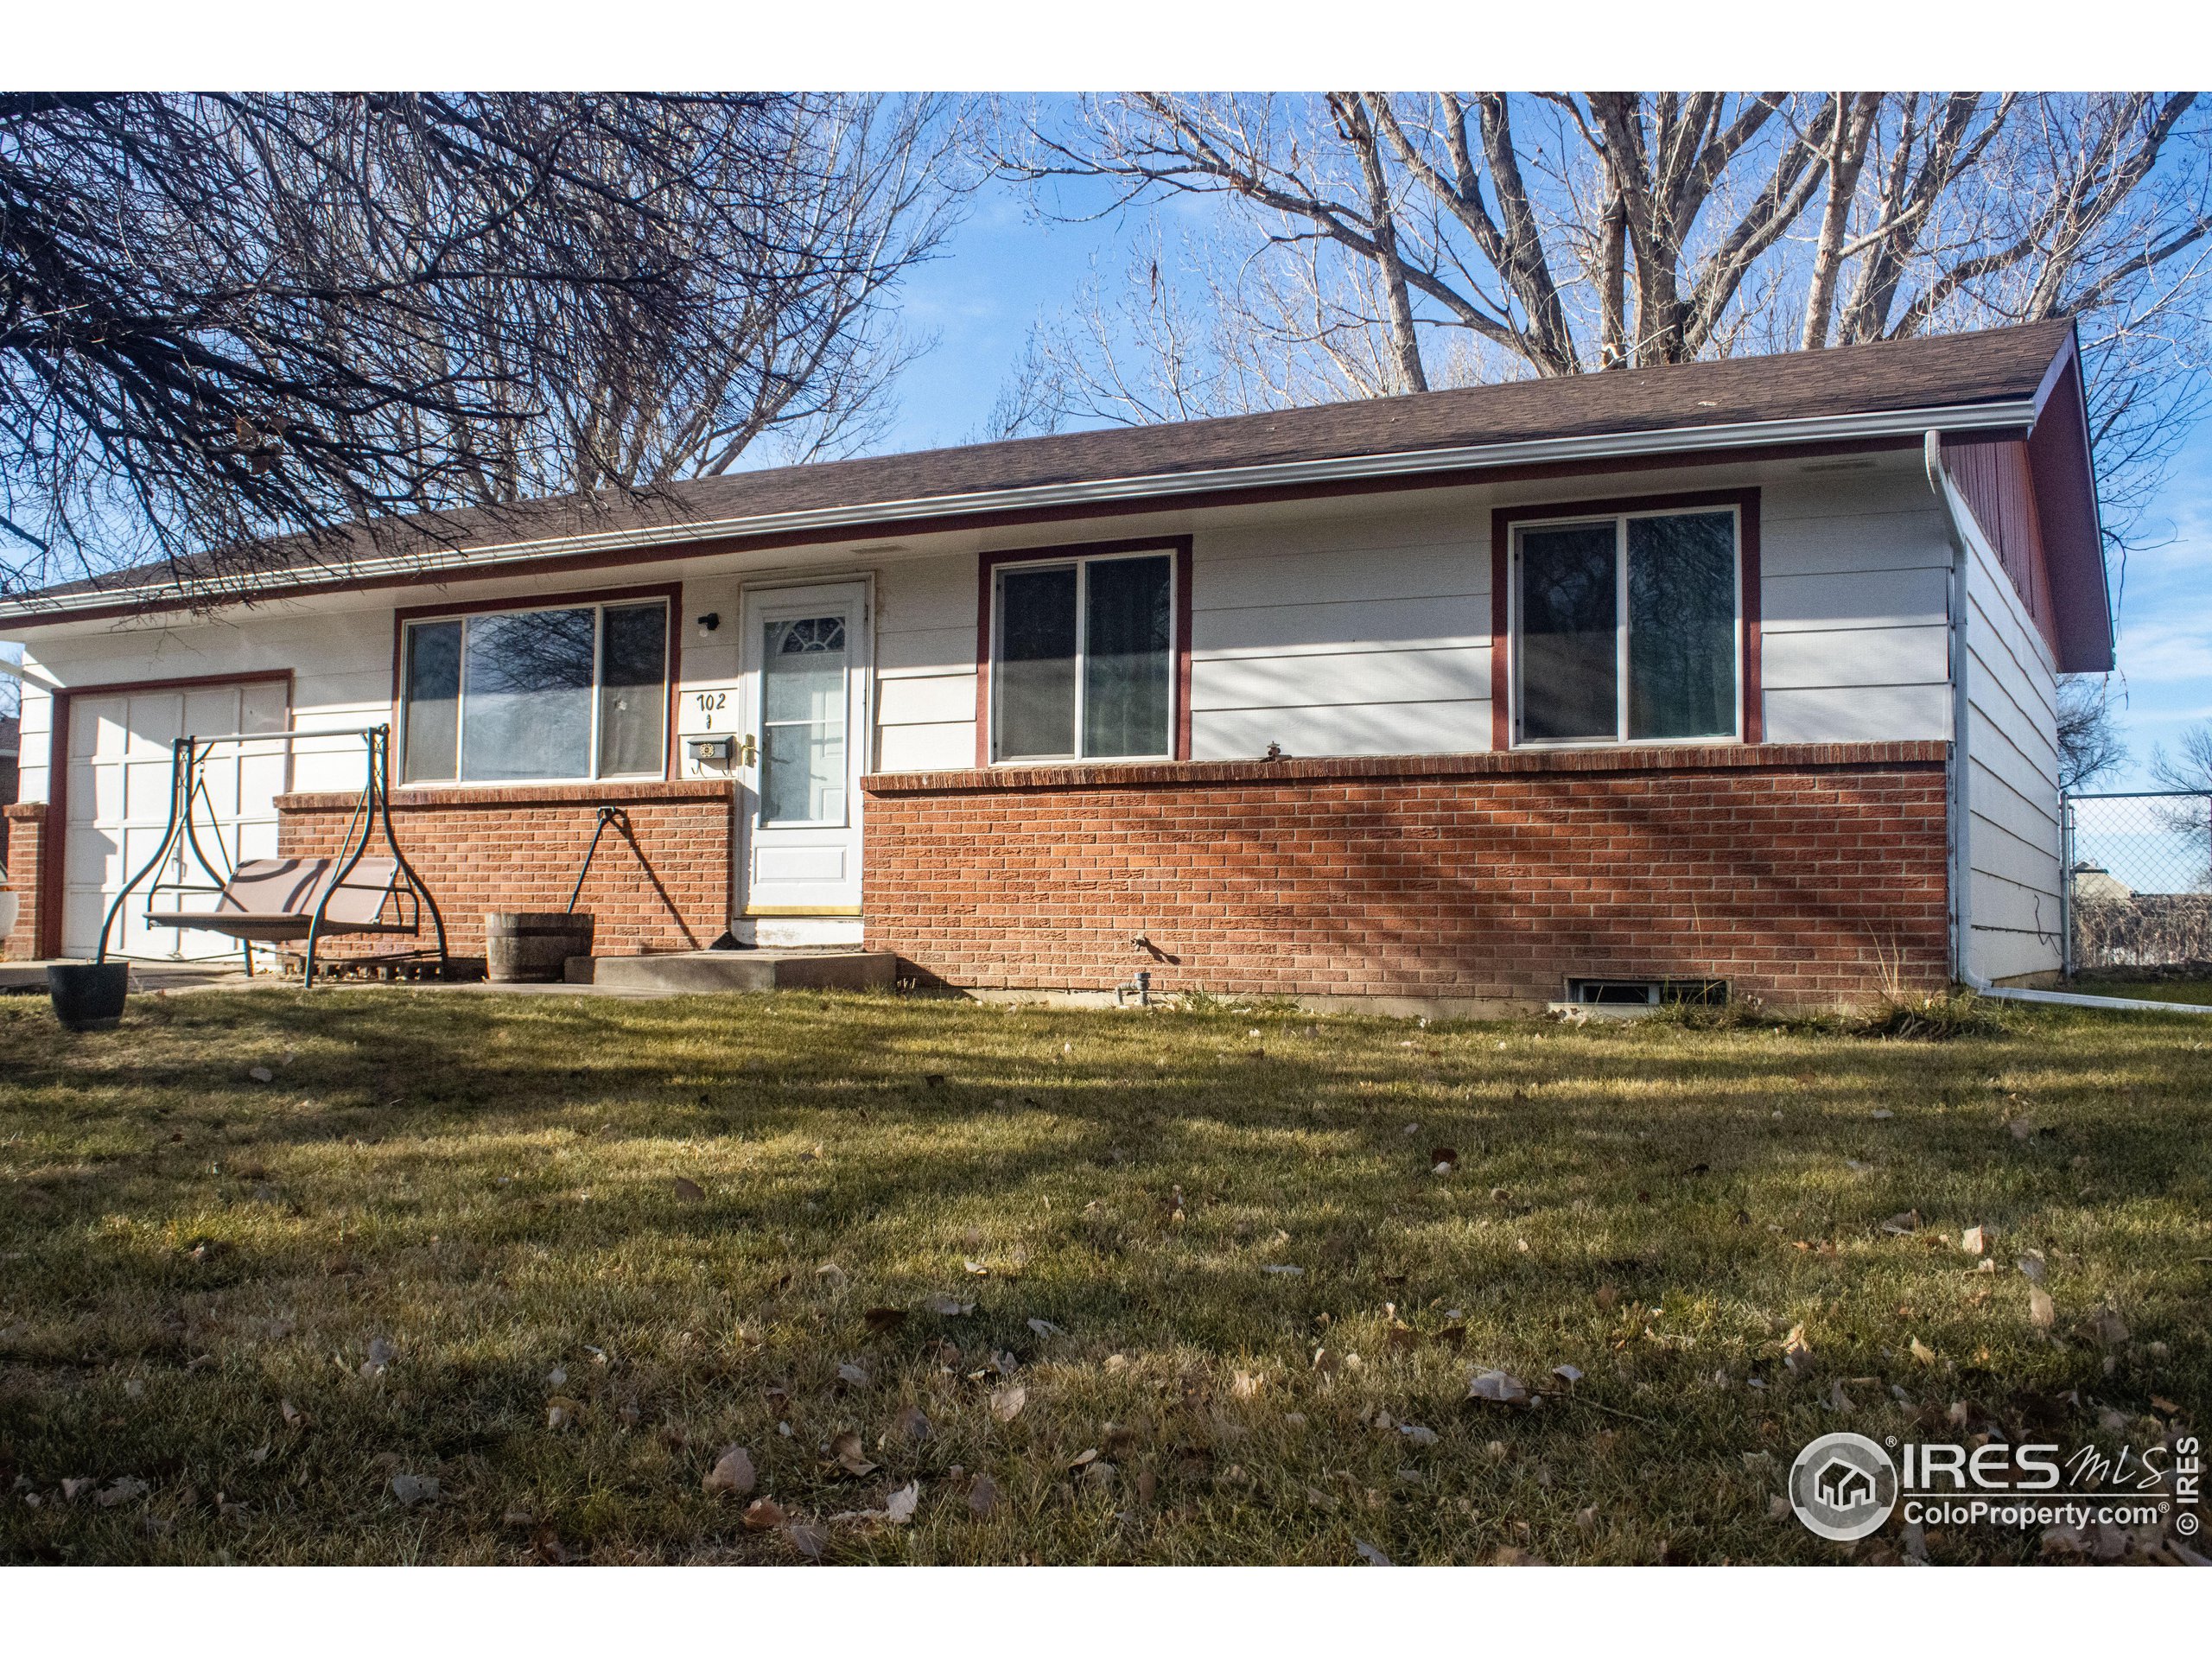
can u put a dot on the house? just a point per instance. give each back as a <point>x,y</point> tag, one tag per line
<point>1736,673</point>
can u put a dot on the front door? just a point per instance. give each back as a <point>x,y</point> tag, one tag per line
<point>806,686</point>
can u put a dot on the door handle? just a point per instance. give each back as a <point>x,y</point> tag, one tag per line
<point>748,753</point>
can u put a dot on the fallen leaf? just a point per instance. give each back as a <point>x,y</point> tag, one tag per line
<point>2041,1308</point>
<point>1606,1297</point>
<point>974,1268</point>
<point>262,1074</point>
<point>1444,1158</point>
<point>2030,1267</point>
<point>2022,1128</point>
<point>1568,1373</point>
<point>1881,1113</point>
<point>1498,1388</point>
<point>1585,1521</point>
<point>809,1540</point>
<point>381,1354</point>
<point>983,1496</point>
<point>732,1475</point>
<point>1007,1403</point>
<point>1905,1221</point>
<point>412,1489</point>
<point>853,1376</point>
<point>1046,1328</point>
<point>1244,1386</point>
<point>880,1320</point>
<point>121,1490</point>
<point>2108,1327</point>
<point>909,1424</point>
<point>1089,1455</point>
<point>1279,1268</point>
<point>1797,1352</point>
<point>1418,1434</point>
<point>561,1412</point>
<point>831,1274</point>
<point>1371,1555</point>
<point>689,1191</point>
<point>950,1307</point>
<point>1974,1241</point>
<point>1923,1352</point>
<point>293,1416</point>
<point>1779,1507</point>
<point>899,1508</point>
<point>845,1451</point>
<point>764,1515</point>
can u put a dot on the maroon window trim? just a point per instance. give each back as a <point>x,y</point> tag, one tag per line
<point>53,847</point>
<point>670,591</point>
<point>987,567</point>
<point>1746,503</point>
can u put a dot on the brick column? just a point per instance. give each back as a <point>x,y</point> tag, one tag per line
<point>27,874</point>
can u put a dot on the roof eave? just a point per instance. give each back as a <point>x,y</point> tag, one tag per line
<point>2016,414</point>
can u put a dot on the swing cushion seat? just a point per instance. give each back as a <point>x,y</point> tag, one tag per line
<point>275,898</point>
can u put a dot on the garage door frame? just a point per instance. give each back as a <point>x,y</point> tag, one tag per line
<point>53,873</point>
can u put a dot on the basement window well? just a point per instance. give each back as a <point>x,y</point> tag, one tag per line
<point>1648,993</point>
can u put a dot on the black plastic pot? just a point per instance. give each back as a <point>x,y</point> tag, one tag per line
<point>89,995</point>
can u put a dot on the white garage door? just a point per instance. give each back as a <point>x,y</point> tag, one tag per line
<point>119,804</point>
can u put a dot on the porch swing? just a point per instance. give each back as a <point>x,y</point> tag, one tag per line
<point>278,901</point>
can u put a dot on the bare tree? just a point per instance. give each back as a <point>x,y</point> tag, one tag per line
<point>224,317</point>
<point>1479,236</point>
<point>2089,743</point>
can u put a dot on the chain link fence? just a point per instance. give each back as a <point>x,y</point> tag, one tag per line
<point>2139,889</point>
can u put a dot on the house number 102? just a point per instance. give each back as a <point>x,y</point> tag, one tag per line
<point>710,701</point>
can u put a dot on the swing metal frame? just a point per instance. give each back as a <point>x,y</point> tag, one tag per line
<point>323,879</point>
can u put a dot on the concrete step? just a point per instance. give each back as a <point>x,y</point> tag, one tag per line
<point>740,970</point>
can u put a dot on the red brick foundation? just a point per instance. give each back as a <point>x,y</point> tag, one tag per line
<point>1801,874</point>
<point>27,879</point>
<point>493,849</point>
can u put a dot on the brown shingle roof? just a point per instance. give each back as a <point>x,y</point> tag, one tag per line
<point>1948,371</point>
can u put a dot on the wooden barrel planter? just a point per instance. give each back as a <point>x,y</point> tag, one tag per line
<point>531,945</point>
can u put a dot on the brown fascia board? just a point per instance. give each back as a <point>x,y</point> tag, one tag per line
<point>2062,471</point>
<point>1626,409</point>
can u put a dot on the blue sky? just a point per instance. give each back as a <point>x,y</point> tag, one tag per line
<point>1005,271</point>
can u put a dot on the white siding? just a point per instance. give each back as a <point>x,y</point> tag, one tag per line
<point>926,665</point>
<point>1853,607</point>
<point>1364,631</point>
<point>340,664</point>
<point>2011,755</point>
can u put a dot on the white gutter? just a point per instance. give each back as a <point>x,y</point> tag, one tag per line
<point>1961,872</point>
<point>1097,492</point>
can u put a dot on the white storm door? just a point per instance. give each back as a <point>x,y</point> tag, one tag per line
<point>120,765</point>
<point>806,674</point>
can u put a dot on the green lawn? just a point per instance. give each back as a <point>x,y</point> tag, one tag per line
<point>288,1261</point>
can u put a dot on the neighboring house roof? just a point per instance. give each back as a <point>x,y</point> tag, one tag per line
<point>11,736</point>
<point>1994,383</point>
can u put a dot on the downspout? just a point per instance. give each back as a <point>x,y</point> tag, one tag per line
<point>1960,870</point>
